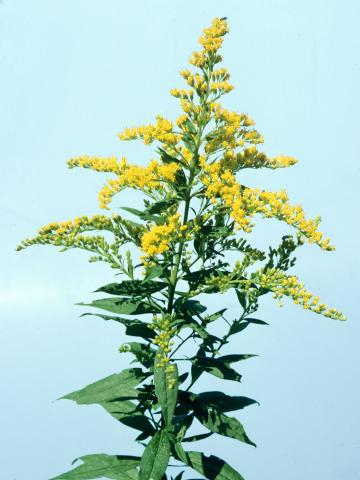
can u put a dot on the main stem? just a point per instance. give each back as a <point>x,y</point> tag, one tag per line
<point>175,271</point>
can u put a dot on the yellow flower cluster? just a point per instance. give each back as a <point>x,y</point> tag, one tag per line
<point>161,131</point>
<point>181,120</point>
<point>72,227</point>
<point>244,203</point>
<point>285,285</point>
<point>229,117</point>
<point>211,41</point>
<point>276,205</point>
<point>181,93</point>
<point>211,38</point>
<point>251,158</point>
<point>99,164</point>
<point>157,240</point>
<point>218,87</point>
<point>221,184</point>
<point>220,74</point>
<point>69,234</point>
<point>142,178</point>
<point>231,130</point>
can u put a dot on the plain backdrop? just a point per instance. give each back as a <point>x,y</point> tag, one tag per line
<point>73,74</point>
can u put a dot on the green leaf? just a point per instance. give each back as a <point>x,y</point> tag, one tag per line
<point>222,402</point>
<point>143,353</point>
<point>159,220</point>
<point>160,206</point>
<point>166,389</point>
<point>220,423</point>
<point>178,476</point>
<point>127,413</point>
<point>133,288</point>
<point>197,438</point>
<point>157,271</point>
<point>122,306</point>
<point>256,321</point>
<point>242,298</point>
<point>239,325</point>
<point>156,456</point>
<point>212,468</point>
<point>165,157</point>
<point>215,316</point>
<point>215,367</point>
<point>189,307</point>
<point>229,359</point>
<point>118,385</point>
<point>117,467</point>
<point>134,326</point>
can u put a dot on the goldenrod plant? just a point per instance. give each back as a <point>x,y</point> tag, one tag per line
<point>190,240</point>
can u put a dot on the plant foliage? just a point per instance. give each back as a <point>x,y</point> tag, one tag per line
<point>190,240</point>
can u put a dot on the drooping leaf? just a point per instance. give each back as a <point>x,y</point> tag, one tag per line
<point>144,215</point>
<point>189,322</point>
<point>183,377</point>
<point>132,288</point>
<point>229,359</point>
<point>166,389</point>
<point>215,367</point>
<point>197,438</point>
<point>241,297</point>
<point>127,413</point>
<point>160,206</point>
<point>117,467</point>
<point>240,325</point>
<point>189,307</point>
<point>156,456</point>
<point>118,385</point>
<point>256,321</point>
<point>134,326</point>
<point>125,306</point>
<point>212,467</point>
<point>222,402</point>
<point>220,423</point>
<point>215,316</point>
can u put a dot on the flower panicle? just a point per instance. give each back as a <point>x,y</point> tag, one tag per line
<point>282,285</point>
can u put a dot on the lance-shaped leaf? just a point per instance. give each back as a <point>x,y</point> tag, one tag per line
<point>127,413</point>
<point>143,353</point>
<point>134,326</point>
<point>215,367</point>
<point>126,306</point>
<point>215,316</point>
<point>239,325</point>
<point>156,456</point>
<point>212,467</point>
<point>166,389</point>
<point>189,307</point>
<point>196,438</point>
<point>144,215</point>
<point>117,467</point>
<point>160,206</point>
<point>220,423</point>
<point>118,385</point>
<point>237,357</point>
<point>133,288</point>
<point>222,402</point>
<point>155,271</point>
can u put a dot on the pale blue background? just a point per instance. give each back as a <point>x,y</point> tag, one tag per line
<point>73,73</point>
